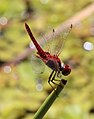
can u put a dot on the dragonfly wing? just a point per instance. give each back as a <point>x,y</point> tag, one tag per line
<point>56,43</point>
<point>37,64</point>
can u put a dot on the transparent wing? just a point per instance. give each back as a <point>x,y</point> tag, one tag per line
<point>57,42</point>
<point>37,64</point>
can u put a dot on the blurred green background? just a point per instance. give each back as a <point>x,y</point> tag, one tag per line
<point>22,90</point>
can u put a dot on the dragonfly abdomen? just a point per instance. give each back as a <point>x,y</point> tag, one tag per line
<point>39,49</point>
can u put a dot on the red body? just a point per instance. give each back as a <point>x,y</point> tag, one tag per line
<point>51,61</point>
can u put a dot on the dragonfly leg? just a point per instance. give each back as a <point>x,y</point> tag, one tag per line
<point>58,75</point>
<point>53,79</point>
<point>50,78</point>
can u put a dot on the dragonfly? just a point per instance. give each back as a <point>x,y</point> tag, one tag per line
<point>51,60</point>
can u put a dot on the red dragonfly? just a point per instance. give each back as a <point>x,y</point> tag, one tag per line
<point>52,61</point>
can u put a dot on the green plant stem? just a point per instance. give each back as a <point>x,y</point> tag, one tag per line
<point>49,100</point>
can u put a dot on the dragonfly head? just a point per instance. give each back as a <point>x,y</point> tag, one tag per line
<point>66,70</point>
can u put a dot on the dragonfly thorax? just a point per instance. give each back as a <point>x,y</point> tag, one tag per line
<point>54,65</point>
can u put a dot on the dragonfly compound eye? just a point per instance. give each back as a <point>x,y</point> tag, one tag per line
<point>66,70</point>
